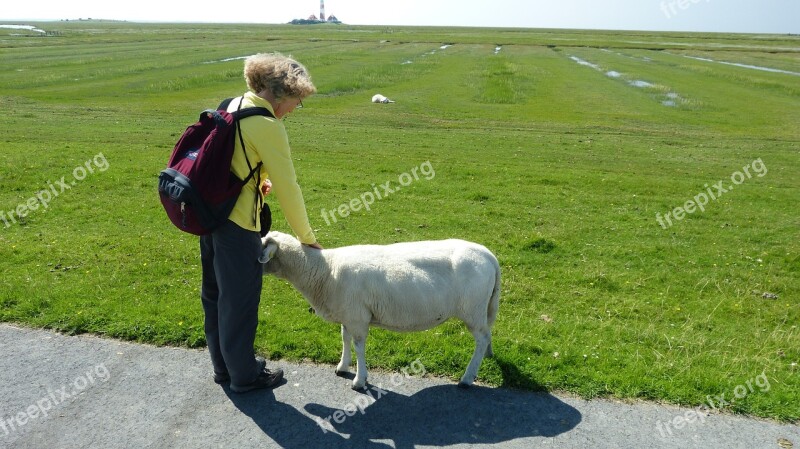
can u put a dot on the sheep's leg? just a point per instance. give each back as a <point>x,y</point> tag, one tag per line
<point>347,357</point>
<point>483,341</point>
<point>360,342</point>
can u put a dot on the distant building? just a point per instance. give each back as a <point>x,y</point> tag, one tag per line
<point>313,19</point>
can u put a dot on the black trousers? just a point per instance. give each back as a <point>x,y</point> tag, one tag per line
<point>231,292</point>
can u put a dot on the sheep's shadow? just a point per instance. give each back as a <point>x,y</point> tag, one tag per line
<point>446,415</point>
<point>286,425</point>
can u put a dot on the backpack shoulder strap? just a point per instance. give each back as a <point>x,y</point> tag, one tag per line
<point>240,113</point>
<point>225,103</point>
<point>249,112</point>
<point>238,116</point>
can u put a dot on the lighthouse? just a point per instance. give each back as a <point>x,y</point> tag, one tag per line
<point>322,10</point>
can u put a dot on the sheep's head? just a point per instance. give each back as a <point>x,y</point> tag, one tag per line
<point>273,245</point>
<point>269,250</point>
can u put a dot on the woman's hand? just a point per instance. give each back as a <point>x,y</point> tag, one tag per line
<point>266,187</point>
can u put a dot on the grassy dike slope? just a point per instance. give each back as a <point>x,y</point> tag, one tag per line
<point>556,166</point>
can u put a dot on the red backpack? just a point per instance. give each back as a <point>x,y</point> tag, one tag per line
<point>198,189</point>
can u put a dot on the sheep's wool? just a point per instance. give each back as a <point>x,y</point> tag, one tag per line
<point>378,98</point>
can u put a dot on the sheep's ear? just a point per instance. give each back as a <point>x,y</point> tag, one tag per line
<point>268,252</point>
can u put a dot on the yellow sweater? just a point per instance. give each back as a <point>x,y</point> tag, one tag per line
<point>266,140</point>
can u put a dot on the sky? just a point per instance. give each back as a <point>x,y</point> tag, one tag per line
<point>738,16</point>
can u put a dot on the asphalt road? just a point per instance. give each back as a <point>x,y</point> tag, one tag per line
<point>87,392</point>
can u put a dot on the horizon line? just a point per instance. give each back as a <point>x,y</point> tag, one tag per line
<point>189,22</point>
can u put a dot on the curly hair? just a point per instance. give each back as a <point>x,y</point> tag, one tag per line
<point>281,75</point>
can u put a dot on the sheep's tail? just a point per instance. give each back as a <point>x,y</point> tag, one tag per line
<point>494,300</point>
<point>494,304</point>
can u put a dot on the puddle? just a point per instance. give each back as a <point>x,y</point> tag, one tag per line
<point>715,45</point>
<point>433,52</point>
<point>746,66</point>
<point>670,99</point>
<point>227,59</point>
<point>405,62</point>
<point>640,83</point>
<point>23,27</point>
<point>586,63</point>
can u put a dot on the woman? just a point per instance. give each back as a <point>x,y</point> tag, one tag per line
<point>232,275</point>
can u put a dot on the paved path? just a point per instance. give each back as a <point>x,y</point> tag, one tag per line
<point>89,392</point>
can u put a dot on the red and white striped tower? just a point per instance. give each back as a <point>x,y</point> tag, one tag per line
<point>322,10</point>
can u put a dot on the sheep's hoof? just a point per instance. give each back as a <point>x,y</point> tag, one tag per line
<point>359,385</point>
<point>342,368</point>
<point>463,385</point>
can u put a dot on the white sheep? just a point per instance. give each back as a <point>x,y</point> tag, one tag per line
<point>401,287</point>
<point>378,98</point>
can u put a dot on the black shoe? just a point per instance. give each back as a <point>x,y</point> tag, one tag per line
<point>265,379</point>
<point>221,378</point>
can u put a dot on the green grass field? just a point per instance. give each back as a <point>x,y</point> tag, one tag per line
<point>560,168</point>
